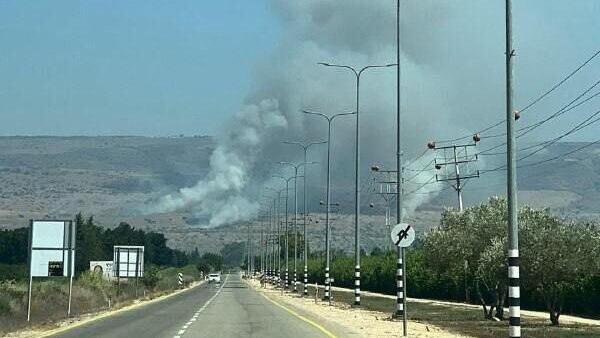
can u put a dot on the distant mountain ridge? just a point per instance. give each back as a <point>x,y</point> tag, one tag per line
<point>109,176</point>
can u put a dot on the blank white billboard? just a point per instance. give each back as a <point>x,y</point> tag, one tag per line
<point>52,248</point>
<point>128,261</point>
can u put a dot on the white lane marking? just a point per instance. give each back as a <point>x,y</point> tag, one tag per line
<point>197,313</point>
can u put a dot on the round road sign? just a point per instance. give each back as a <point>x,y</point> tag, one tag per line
<point>403,235</point>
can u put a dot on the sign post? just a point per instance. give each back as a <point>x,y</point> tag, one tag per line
<point>128,262</point>
<point>402,235</point>
<point>180,279</point>
<point>51,253</point>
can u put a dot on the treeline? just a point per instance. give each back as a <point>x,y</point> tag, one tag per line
<point>465,259</point>
<point>93,243</point>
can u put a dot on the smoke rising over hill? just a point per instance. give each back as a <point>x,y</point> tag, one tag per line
<point>356,33</point>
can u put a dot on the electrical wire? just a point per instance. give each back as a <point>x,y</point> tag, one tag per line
<point>526,129</point>
<point>534,101</point>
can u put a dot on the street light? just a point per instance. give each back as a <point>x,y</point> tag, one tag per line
<point>269,253</point>
<point>277,251</point>
<point>329,120</point>
<point>296,167</point>
<point>357,74</point>
<point>305,147</point>
<point>287,194</point>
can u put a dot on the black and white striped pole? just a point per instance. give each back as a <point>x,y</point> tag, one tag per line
<point>400,271</point>
<point>403,235</point>
<point>180,279</point>
<point>514,294</point>
<point>399,286</point>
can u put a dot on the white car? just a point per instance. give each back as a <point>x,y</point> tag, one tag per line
<point>214,278</point>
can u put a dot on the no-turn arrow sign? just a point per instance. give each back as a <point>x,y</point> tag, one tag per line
<point>403,235</point>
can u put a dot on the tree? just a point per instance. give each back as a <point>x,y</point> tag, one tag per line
<point>215,261</point>
<point>466,248</point>
<point>557,257</point>
<point>233,253</point>
<point>88,243</point>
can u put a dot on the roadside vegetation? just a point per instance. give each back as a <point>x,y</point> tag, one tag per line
<point>91,292</point>
<point>465,260</point>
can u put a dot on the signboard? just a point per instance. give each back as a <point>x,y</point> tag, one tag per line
<point>51,254</point>
<point>52,248</point>
<point>104,268</point>
<point>403,235</point>
<point>128,261</point>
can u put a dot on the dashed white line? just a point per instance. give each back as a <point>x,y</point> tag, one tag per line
<point>197,313</point>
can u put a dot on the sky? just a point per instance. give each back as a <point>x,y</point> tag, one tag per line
<point>136,67</point>
<point>167,68</point>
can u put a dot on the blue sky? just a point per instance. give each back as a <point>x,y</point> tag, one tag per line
<point>140,67</point>
<point>149,67</point>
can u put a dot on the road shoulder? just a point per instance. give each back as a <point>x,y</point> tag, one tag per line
<point>344,321</point>
<point>72,323</point>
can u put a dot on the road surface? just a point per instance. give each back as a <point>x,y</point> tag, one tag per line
<point>231,310</point>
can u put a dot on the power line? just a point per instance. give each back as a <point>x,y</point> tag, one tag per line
<point>421,186</point>
<point>581,125</point>
<point>561,155</point>
<point>534,101</point>
<point>502,168</point>
<point>564,109</point>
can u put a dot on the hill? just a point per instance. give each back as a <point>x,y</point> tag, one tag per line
<point>109,177</point>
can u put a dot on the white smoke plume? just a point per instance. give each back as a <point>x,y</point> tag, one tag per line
<point>221,193</point>
<point>358,33</point>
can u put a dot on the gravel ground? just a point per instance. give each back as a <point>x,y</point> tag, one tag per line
<point>365,323</point>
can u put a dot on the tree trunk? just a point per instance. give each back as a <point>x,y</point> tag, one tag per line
<point>486,314</point>
<point>501,294</point>
<point>554,317</point>
<point>554,307</point>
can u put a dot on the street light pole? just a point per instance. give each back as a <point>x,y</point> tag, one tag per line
<point>296,167</point>
<point>305,147</point>
<point>287,194</point>
<point>329,120</point>
<point>357,74</point>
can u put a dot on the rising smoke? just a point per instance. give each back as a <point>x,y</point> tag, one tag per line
<point>353,32</point>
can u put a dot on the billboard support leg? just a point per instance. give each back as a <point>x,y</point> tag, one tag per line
<point>70,294</point>
<point>71,266</point>
<point>29,298</point>
<point>30,274</point>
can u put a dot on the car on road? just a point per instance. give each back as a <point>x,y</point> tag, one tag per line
<point>214,278</point>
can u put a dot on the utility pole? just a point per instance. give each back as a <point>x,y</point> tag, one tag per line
<point>386,190</point>
<point>400,267</point>
<point>514,309</point>
<point>458,156</point>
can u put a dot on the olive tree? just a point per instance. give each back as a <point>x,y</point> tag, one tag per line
<point>468,246</point>
<point>556,255</point>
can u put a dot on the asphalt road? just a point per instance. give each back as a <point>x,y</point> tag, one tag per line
<point>231,310</point>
